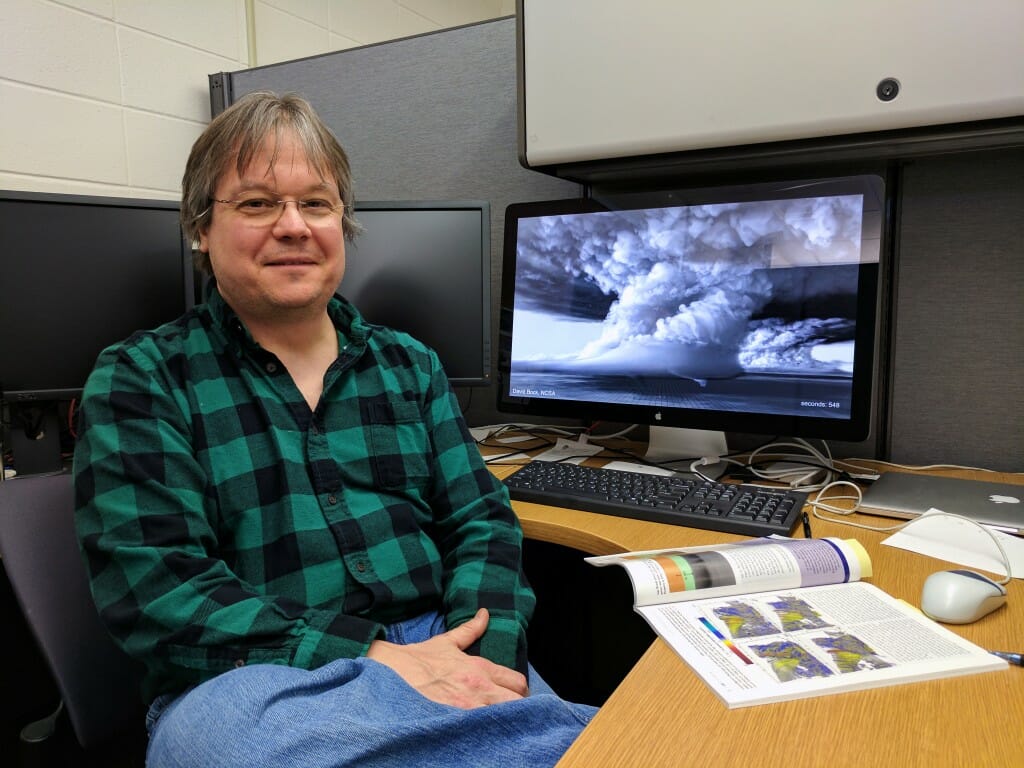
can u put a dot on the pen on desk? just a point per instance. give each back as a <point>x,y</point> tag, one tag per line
<point>807,526</point>
<point>1013,658</point>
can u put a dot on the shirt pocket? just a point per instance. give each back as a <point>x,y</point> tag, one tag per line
<point>399,447</point>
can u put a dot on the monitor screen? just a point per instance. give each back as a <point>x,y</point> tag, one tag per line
<point>424,267</point>
<point>77,274</point>
<point>747,308</point>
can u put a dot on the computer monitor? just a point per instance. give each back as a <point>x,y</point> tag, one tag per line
<point>748,308</point>
<point>424,267</point>
<point>77,273</point>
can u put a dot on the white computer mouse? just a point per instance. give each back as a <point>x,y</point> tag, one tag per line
<point>960,596</point>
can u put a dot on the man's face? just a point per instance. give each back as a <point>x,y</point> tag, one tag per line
<point>286,268</point>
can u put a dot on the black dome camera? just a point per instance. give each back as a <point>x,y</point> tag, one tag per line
<point>888,89</point>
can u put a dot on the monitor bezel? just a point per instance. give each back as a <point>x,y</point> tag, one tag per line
<point>869,305</point>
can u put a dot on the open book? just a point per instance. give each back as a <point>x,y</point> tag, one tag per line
<point>775,619</point>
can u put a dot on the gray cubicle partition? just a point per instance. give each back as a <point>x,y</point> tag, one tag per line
<point>958,358</point>
<point>434,117</point>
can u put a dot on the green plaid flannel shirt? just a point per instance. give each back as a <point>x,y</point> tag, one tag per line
<point>224,523</point>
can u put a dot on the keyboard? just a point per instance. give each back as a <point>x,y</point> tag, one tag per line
<point>677,499</point>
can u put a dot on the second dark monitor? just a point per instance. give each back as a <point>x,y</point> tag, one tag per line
<point>423,267</point>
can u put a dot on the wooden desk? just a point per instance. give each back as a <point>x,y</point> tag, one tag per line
<point>663,714</point>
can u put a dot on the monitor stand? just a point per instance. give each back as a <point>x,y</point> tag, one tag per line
<point>666,444</point>
<point>35,438</point>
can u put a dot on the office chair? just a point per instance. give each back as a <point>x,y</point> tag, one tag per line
<point>98,683</point>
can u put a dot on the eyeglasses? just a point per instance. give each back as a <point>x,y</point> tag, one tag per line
<point>264,210</point>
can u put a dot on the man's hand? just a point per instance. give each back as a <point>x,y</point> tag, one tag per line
<point>440,670</point>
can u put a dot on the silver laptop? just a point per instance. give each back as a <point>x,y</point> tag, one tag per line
<point>900,494</point>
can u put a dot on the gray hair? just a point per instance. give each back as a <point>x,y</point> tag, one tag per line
<point>237,134</point>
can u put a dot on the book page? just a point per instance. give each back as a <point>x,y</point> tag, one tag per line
<point>789,644</point>
<point>672,575</point>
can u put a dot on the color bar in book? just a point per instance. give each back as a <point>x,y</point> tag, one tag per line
<point>728,643</point>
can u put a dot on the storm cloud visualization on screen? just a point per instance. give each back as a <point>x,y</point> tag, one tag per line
<point>747,304</point>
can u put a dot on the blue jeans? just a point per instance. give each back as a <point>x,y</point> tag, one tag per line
<point>353,712</point>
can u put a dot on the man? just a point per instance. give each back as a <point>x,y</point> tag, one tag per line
<point>283,515</point>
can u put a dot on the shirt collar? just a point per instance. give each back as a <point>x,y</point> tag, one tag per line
<point>345,317</point>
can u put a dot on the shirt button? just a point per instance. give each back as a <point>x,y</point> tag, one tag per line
<point>332,499</point>
<point>361,567</point>
<point>239,663</point>
<point>271,368</point>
